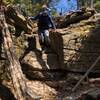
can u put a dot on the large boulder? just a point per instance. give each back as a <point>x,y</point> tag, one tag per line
<point>77,46</point>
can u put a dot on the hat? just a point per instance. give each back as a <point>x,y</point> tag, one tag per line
<point>44,6</point>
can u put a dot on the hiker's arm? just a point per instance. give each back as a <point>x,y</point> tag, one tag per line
<point>34,18</point>
<point>52,23</point>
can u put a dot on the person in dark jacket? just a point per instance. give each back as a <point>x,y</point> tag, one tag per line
<point>45,22</point>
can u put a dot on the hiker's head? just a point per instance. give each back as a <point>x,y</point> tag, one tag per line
<point>44,7</point>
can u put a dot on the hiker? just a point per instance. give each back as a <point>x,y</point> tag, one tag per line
<point>45,22</point>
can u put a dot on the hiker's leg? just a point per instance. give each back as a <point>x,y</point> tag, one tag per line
<point>41,38</point>
<point>47,39</point>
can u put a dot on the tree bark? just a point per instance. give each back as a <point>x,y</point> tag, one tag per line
<point>21,90</point>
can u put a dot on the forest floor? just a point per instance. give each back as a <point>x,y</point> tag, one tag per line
<point>60,89</point>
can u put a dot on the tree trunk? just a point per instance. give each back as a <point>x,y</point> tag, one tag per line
<point>21,90</point>
<point>91,3</point>
<point>78,6</point>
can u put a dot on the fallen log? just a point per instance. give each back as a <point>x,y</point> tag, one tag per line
<point>21,90</point>
<point>74,17</point>
<point>15,18</point>
<point>94,80</point>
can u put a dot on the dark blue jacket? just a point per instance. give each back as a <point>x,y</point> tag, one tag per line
<point>44,21</point>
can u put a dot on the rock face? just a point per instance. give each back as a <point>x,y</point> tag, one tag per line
<point>77,46</point>
<point>36,64</point>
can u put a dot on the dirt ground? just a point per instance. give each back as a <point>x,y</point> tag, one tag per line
<point>56,89</point>
<point>62,89</point>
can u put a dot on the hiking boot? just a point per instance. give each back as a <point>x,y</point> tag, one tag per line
<point>43,48</point>
<point>39,49</point>
<point>48,50</point>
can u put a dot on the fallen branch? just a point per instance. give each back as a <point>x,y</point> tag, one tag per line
<point>85,75</point>
<point>15,18</point>
<point>94,80</point>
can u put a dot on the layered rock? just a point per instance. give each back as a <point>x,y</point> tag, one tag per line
<point>78,45</point>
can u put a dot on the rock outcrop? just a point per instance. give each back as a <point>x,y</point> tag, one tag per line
<point>78,45</point>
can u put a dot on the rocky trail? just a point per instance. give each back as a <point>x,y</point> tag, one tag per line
<point>50,75</point>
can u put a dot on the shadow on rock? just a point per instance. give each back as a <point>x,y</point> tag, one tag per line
<point>5,93</point>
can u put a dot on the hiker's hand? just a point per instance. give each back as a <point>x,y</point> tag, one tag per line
<point>28,18</point>
<point>54,30</point>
